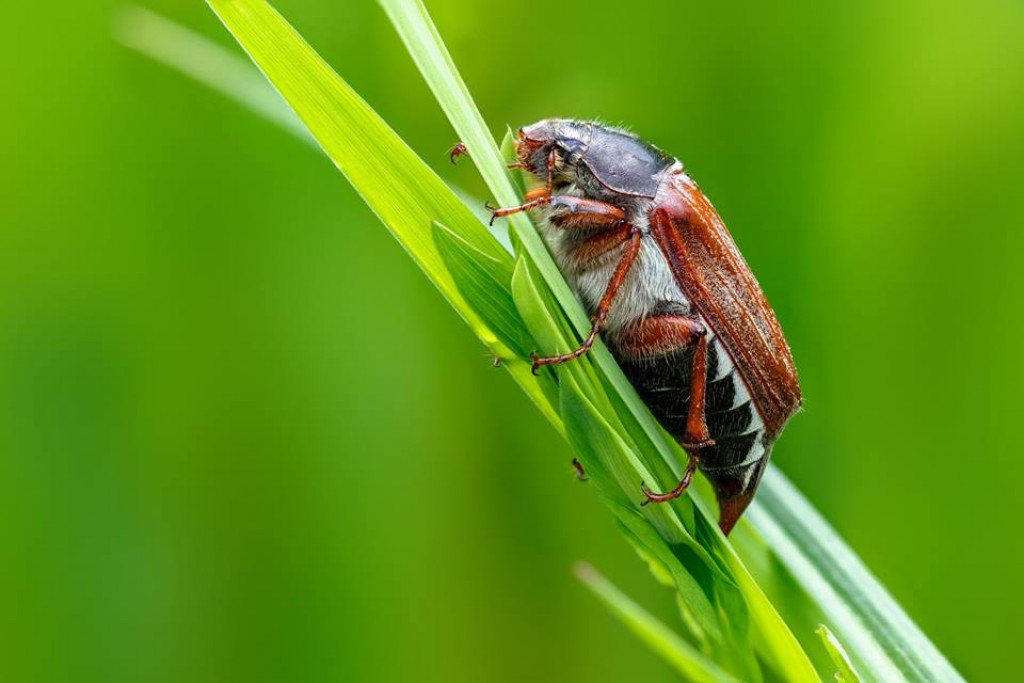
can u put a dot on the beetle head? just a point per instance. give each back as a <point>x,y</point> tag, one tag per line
<point>562,141</point>
<point>604,163</point>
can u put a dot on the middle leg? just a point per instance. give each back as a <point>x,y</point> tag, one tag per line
<point>633,239</point>
<point>608,229</point>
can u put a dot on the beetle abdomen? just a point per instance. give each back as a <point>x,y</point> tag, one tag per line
<point>734,464</point>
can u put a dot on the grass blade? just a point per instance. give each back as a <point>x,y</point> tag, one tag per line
<point>879,635</point>
<point>659,637</point>
<point>845,672</point>
<point>486,283</point>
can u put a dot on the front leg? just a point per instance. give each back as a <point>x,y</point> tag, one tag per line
<point>573,212</point>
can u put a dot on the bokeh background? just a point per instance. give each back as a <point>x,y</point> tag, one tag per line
<point>242,438</point>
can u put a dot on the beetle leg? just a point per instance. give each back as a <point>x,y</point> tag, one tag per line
<point>684,483</point>
<point>661,334</point>
<point>696,435</point>
<point>500,213</point>
<point>577,212</point>
<point>601,314</point>
<point>658,335</point>
<point>597,245</point>
<point>552,160</point>
<point>536,193</point>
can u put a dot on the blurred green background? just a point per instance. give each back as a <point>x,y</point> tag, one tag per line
<point>242,438</point>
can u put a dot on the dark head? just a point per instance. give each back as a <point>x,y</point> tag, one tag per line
<point>601,159</point>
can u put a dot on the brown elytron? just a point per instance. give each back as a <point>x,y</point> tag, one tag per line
<point>669,293</point>
<point>710,269</point>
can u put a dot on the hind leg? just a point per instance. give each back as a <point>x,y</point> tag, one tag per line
<point>662,334</point>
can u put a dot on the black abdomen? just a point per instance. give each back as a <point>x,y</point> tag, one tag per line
<point>735,462</point>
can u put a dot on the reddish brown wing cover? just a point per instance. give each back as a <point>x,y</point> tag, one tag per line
<point>715,277</point>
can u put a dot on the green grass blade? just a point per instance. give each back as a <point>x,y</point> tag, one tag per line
<point>659,637</point>
<point>881,639</point>
<point>486,284</point>
<point>845,672</point>
<point>424,43</point>
<point>707,593</point>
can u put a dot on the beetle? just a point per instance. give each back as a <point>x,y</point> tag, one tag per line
<point>669,293</point>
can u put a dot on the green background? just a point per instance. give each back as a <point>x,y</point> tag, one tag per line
<point>242,438</point>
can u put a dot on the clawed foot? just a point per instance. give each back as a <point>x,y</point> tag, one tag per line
<point>494,212</point>
<point>652,497</point>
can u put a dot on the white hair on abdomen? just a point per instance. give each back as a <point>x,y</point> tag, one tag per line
<point>650,282</point>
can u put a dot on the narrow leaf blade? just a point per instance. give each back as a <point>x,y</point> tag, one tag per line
<point>486,284</point>
<point>659,637</point>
